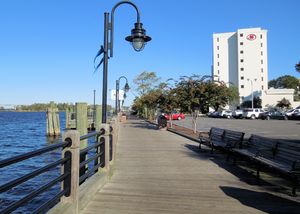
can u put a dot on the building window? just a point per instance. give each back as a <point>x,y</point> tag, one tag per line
<point>261,44</point>
<point>217,39</point>
<point>217,47</point>
<point>242,60</point>
<point>241,35</point>
<point>241,43</point>
<point>242,77</point>
<point>261,61</point>
<point>262,87</point>
<point>242,69</point>
<point>262,78</point>
<point>241,52</point>
<point>261,53</point>
<point>242,86</point>
<point>218,71</point>
<point>218,64</point>
<point>218,55</point>
<point>261,36</point>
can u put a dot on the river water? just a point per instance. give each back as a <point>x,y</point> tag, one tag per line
<point>21,132</point>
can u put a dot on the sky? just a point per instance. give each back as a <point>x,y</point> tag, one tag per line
<point>47,47</point>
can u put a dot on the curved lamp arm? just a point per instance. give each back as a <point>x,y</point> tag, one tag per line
<point>126,87</point>
<point>124,78</point>
<point>112,21</point>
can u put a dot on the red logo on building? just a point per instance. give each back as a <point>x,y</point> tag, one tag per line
<point>251,37</point>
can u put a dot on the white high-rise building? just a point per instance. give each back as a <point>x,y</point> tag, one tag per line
<point>241,58</point>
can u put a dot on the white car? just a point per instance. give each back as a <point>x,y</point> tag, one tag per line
<point>292,111</point>
<point>238,113</point>
<point>226,114</point>
<point>252,113</point>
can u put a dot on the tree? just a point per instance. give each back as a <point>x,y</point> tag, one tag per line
<point>285,81</point>
<point>218,94</point>
<point>284,103</point>
<point>297,67</point>
<point>145,82</point>
<point>234,95</point>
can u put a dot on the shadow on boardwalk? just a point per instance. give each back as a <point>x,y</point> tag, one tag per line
<point>250,198</point>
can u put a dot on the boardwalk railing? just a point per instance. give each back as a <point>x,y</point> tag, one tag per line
<point>77,166</point>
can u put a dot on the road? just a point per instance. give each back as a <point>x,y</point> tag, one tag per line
<point>282,129</point>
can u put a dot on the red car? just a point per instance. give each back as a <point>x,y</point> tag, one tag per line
<point>175,116</point>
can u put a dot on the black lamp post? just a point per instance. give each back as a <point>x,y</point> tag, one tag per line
<point>138,39</point>
<point>126,89</point>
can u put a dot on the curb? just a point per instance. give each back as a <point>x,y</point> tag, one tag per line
<point>183,135</point>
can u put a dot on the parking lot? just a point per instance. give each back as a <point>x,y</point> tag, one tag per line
<point>280,129</point>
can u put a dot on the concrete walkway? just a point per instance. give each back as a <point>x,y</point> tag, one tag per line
<point>160,172</point>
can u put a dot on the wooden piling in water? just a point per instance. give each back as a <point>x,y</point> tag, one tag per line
<point>98,117</point>
<point>82,128</point>
<point>52,121</point>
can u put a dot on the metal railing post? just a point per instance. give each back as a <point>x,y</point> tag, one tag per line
<point>72,136</point>
<point>106,146</point>
<point>114,136</point>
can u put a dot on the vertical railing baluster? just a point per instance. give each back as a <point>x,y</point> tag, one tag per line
<point>73,151</point>
<point>67,170</point>
<point>111,143</point>
<point>105,137</point>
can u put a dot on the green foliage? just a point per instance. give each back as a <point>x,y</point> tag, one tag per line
<point>145,82</point>
<point>285,81</point>
<point>188,94</point>
<point>42,107</point>
<point>284,103</point>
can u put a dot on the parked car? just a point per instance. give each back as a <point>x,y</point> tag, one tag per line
<point>226,114</point>
<point>292,111</point>
<point>237,114</point>
<point>277,115</point>
<point>252,113</point>
<point>175,116</point>
<point>214,114</point>
<point>295,116</point>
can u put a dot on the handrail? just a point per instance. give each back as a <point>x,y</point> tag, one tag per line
<point>27,198</point>
<point>32,154</point>
<point>85,150</point>
<point>71,147</point>
<point>92,134</point>
<point>26,177</point>
<point>98,157</point>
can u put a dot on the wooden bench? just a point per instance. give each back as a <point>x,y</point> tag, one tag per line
<point>222,139</point>
<point>215,134</point>
<point>280,156</point>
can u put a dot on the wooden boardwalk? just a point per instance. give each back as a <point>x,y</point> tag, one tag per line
<point>160,172</point>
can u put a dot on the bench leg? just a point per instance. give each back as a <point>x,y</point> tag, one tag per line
<point>257,170</point>
<point>200,144</point>
<point>295,185</point>
<point>294,191</point>
<point>212,149</point>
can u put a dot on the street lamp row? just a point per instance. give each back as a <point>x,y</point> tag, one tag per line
<point>138,39</point>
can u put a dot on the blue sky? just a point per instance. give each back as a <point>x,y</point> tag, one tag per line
<point>47,47</point>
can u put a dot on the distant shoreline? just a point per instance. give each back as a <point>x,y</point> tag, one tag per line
<point>25,111</point>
